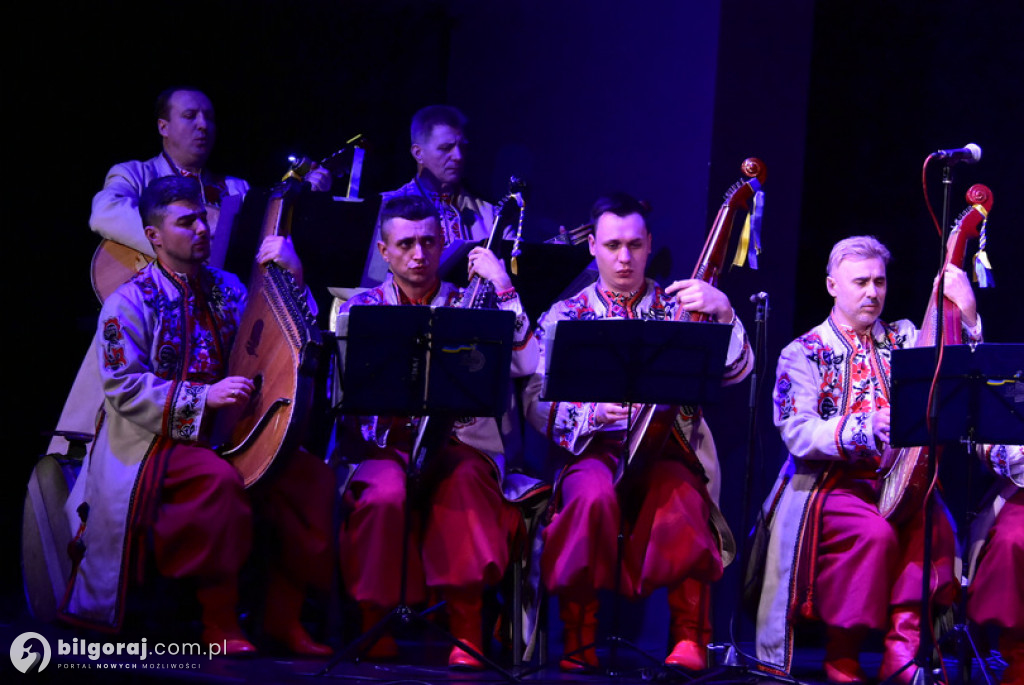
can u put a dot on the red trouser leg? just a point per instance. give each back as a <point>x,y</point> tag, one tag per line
<point>203,531</point>
<point>297,503</point>
<point>579,554</point>
<point>370,540</point>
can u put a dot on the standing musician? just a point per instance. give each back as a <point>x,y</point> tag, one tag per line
<point>152,494</point>
<point>996,592</point>
<point>187,125</point>
<point>439,147</point>
<point>832,556</point>
<point>469,524</point>
<point>675,535</point>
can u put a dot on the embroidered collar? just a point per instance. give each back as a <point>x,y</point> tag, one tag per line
<point>211,187</point>
<point>874,333</point>
<point>447,198</point>
<point>403,298</point>
<point>621,304</point>
<point>622,298</point>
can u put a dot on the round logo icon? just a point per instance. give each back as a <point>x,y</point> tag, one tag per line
<point>24,657</point>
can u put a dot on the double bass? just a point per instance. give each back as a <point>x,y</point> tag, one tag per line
<point>904,487</point>
<point>651,426</point>
<point>277,346</point>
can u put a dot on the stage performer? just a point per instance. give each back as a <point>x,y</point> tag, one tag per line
<point>831,556</point>
<point>186,122</point>
<point>439,148</point>
<point>152,494</point>
<point>675,535</point>
<point>470,523</point>
<point>995,595</point>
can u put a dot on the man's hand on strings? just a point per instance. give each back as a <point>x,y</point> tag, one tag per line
<point>612,412</point>
<point>695,295</point>
<point>229,391</point>
<point>487,266</point>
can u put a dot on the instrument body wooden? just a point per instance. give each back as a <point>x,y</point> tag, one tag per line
<point>113,264</point>
<point>652,424</point>
<point>277,346</point>
<point>903,488</point>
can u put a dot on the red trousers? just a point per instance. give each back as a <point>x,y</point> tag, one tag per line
<point>203,527</point>
<point>996,594</point>
<point>865,564</point>
<point>462,536</point>
<point>667,535</point>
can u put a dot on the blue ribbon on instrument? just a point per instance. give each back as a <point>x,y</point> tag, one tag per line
<point>749,245</point>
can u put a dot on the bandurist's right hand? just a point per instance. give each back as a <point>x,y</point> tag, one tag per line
<point>611,412</point>
<point>230,391</point>
<point>880,427</point>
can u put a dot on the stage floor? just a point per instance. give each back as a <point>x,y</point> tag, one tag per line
<point>77,657</point>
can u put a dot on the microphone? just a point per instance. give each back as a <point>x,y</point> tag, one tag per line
<point>969,153</point>
<point>759,297</point>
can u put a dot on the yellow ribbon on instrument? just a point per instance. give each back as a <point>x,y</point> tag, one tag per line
<point>749,245</point>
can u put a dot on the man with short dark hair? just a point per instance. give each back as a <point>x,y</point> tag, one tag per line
<point>152,493</point>
<point>187,124</point>
<point>675,536</point>
<point>469,524</point>
<point>832,557</point>
<point>438,146</point>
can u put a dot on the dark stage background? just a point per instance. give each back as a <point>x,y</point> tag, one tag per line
<point>842,101</point>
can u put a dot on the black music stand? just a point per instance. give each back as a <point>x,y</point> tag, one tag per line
<point>980,394</point>
<point>978,398</point>
<point>432,362</point>
<point>635,362</point>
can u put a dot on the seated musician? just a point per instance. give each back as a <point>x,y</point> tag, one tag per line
<point>187,125</point>
<point>439,148</point>
<point>995,596</point>
<point>469,524</point>
<point>832,557</point>
<point>152,496</point>
<point>674,534</point>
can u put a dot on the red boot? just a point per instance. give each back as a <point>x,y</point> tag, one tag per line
<point>901,643</point>
<point>689,626</point>
<point>464,607</point>
<point>281,621</point>
<point>385,648</point>
<point>1011,646</point>
<point>219,603</point>
<point>842,655</point>
<point>579,621</point>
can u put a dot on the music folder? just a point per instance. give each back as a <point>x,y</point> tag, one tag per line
<point>633,360</point>
<point>979,395</point>
<point>419,360</point>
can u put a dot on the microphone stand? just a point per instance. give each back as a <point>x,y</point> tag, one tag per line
<point>730,652</point>
<point>926,644</point>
